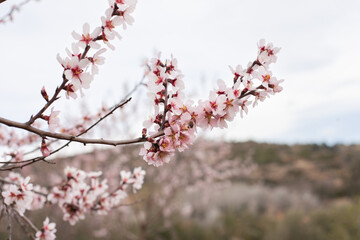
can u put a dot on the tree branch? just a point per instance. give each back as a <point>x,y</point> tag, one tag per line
<point>61,136</point>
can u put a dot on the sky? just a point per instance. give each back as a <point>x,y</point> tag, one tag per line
<point>319,59</point>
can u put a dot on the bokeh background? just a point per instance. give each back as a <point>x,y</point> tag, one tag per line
<point>297,152</point>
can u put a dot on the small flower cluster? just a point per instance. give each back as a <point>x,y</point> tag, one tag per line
<point>19,196</point>
<point>82,192</point>
<point>179,118</point>
<point>13,139</point>
<point>77,64</point>
<point>84,122</point>
<point>175,118</point>
<point>47,232</point>
<point>53,120</point>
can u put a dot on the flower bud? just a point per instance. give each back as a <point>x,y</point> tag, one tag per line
<point>44,94</point>
<point>44,149</point>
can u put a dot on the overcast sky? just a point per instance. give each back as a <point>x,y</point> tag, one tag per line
<point>319,59</point>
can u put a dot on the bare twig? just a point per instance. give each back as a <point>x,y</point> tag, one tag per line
<point>122,205</point>
<point>24,228</point>
<point>9,227</point>
<point>27,221</point>
<point>14,8</point>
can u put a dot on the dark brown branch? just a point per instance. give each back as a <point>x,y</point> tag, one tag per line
<point>45,134</point>
<point>165,106</point>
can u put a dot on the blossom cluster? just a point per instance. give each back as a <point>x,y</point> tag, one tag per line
<point>178,118</point>
<point>21,194</point>
<point>13,139</point>
<point>78,194</point>
<point>82,192</point>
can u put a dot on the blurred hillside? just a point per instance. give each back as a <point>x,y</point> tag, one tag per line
<point>243,191</point>
<point>329,172</point>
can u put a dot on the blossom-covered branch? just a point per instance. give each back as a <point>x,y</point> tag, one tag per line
<point>181,117</point>
<point>78,194</point>
<point>171,128</point>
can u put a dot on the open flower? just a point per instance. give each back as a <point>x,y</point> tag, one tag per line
<point>47,232</point>
<point>86,38</point>
<point>76,74</point>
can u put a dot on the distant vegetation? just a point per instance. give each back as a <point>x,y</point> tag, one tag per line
<point>297,192</point>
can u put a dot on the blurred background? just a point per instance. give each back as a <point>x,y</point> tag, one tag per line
<point>287,170</point>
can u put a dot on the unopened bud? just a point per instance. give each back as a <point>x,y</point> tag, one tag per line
<point>44,149</point>
<point>44,94</point>
<point>144,132</point>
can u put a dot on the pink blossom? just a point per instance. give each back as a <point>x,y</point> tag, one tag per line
<point>97,60</point>
<point>109,23</point>
<point>86,38</point>
<point>47,232</point>
<point>53,120</point>
<point>76,74</point>
<point>19,196</point>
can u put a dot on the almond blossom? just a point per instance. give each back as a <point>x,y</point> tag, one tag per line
<point>83,192</point>
<point>53,120</point>
<point>76,73</point>
<point>179,118</point>
<point>47,232</point>
<point>20,197</point>
<point>97,60</point>
<point>86,38</point>
<point>109,22</point>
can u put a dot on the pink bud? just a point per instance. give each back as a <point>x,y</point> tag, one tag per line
<point>144,131</point>
<point>44,149</point>
<point>44,94</point>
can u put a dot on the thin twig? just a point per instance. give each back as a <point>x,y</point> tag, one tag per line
<point>27,221</point>
<point>48,103</point>
<point>14,8</point>
<point>22,225</point>
<point>9,227</point>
